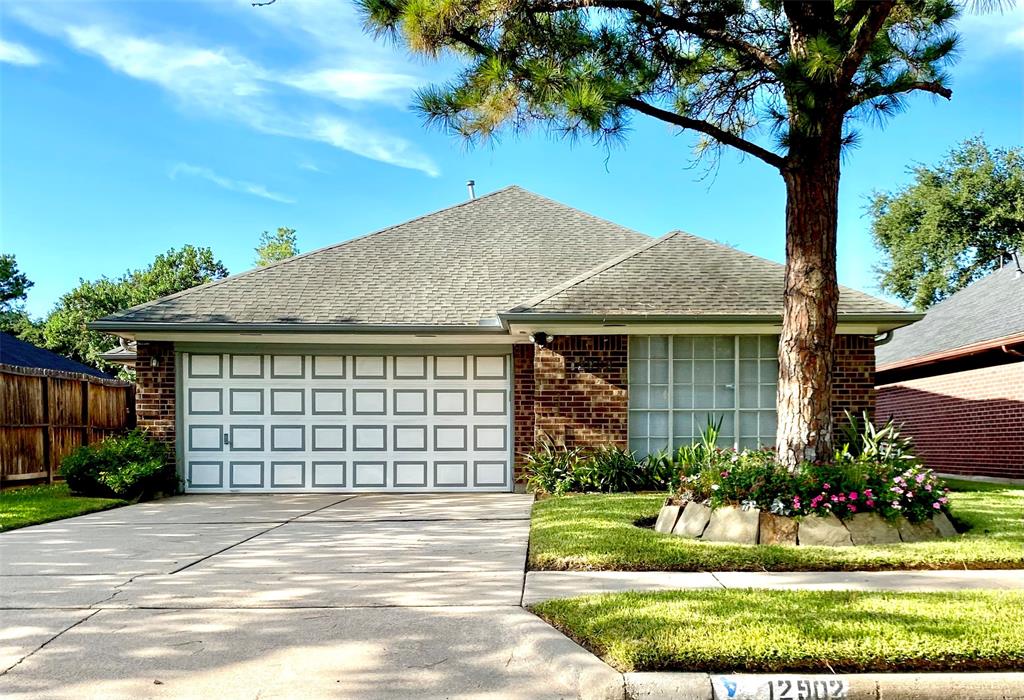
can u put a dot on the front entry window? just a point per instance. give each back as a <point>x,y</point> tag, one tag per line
<point>676,382</point>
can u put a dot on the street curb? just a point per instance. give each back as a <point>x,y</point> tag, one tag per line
<point>859,686</point>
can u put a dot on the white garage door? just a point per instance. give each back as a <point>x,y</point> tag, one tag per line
<point>346,423</point>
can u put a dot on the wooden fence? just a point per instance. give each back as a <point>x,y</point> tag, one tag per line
<point>45,415</point>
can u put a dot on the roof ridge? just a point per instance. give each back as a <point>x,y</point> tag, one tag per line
<point>324,249</point>
<point>596,270</point>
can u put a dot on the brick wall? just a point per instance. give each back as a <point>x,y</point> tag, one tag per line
<point>523,418</point>
<point>580,395</point>
<point>853,378</point>
<point>154,391</point>
<point>966,422</point>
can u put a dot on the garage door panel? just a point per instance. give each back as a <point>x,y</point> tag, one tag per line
<point>358,423</point>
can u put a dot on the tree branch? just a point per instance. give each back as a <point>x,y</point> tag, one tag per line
<point>715,132</point>
<point>674,22</point>
<point>873,21</point>
<point>882,90</point>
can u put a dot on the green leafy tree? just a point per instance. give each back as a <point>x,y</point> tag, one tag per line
<point>956,222</point>
<point>276,246</point>
<point>733,72</point>
<point>65,331</point>
<point>14,286</point>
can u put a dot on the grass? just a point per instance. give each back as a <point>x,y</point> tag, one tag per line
<point>811,631</point>
<point>597,532</point>
<point>32,505</point>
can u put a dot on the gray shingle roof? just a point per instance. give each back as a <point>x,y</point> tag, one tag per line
<point>454,267</point>
<point>990,309</point>
<point>682,275</point>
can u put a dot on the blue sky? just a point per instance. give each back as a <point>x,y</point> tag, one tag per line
<point>128,128</point>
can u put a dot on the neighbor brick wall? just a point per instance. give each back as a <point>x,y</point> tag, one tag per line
<point>580,396</point>
<point>966,422</point>
<point>853,378</point>
<point>523,417</point>
<point>154,391</point>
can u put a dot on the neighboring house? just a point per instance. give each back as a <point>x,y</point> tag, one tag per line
<point>955,379</point>
<point>121,354</point>
<point>433,355</point>
<point>17,353</point>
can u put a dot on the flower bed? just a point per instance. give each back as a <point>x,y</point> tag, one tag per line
<point>872,491</point>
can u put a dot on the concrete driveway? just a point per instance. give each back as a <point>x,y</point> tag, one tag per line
<point>282,596</point>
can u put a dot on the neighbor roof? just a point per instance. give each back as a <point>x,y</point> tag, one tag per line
<point>684,275</point>
<point>979,315</point>
<point>21,354</point>
<point>456,267</point>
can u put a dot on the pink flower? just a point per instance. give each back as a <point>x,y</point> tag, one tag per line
<point>853,495</point>
<point>869,503</point>
<point>920,478</point>
<point>867,492</point>
<point>853,508</point>
<point>910,494</point>
<point>896,505</point>
<point>826,486</point>
<point>928,487</point>
<point>943,500</point>
<point>936,505</point>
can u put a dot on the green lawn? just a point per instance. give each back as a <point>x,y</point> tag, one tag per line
<point>810,631</point>
<point>41,504</point>
<point>597,532</point>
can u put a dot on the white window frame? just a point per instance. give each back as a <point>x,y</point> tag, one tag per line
<point>736,410</point>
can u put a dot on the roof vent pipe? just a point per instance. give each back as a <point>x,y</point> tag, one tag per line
<point>471,186</point>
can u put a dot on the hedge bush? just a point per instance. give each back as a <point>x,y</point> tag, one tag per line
<point>131,466</point>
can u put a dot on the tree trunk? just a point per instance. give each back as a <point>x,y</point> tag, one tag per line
<point>807,343</point>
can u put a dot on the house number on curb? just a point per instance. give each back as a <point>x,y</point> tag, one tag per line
<point>782,688</point>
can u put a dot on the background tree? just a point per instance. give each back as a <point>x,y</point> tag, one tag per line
<point>957,221</point>
<point>276,246</point>
<point>14,286</point>
<point>64,330</point>
<point>727,70</point>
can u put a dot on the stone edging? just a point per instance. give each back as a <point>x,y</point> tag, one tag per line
<point>731,524</point>
<point>859,686</point>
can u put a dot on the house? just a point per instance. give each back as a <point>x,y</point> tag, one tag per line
<point>955,380</point>
<point>433,355</point>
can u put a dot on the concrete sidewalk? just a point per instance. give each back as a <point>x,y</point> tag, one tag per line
<point>545,585</point>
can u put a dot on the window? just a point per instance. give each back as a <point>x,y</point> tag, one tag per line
<point>677,382</point>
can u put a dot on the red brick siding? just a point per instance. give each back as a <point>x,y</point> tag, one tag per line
<point>523,417</point>
<point>580,394</point>
<point>154,391</point>
<point>853,378</point>
<point>967,422</point>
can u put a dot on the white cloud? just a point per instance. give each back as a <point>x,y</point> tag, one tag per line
<point>987,34</point>
<point>223,83</point>
<point>18,54</point>
<point>228,183</point>
<point>358,85</point>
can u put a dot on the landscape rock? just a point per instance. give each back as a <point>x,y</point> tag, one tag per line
<point>692,522</point>
<point>667,517</point>
<point>872,528</point>
<point>778,529</point>
<point>823,531</point>
<point>943,525</point>
<point>918,532</point>
<point>732,524</point>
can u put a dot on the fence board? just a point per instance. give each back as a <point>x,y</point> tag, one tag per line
<point>44,416</point>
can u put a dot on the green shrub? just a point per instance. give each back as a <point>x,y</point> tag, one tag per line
<point>130,466</point>
<point>550,469</point>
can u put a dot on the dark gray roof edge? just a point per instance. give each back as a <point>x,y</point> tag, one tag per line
<point>112,325</point>
<point>332,246</point>
<point>513,316</point>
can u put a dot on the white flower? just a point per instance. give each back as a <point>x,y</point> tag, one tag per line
<point>715,487</point>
